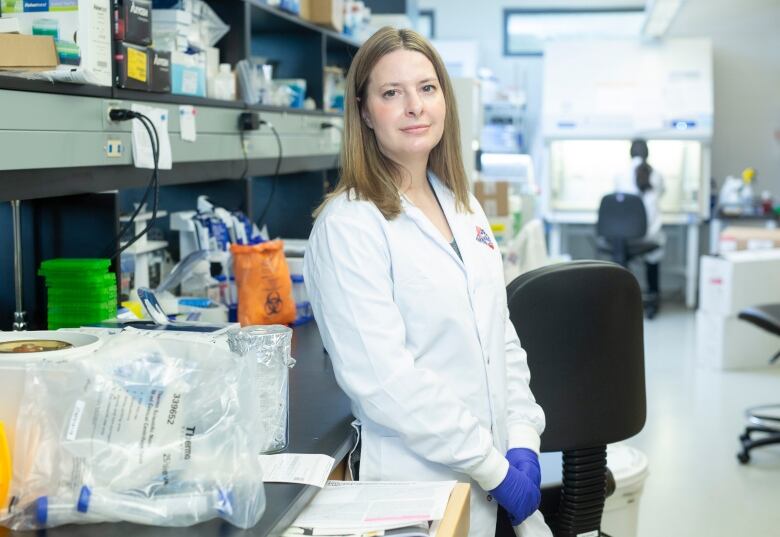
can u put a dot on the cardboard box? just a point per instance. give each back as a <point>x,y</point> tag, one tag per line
<point>748,238</point>
<point>160,71</point>
<point>83,27</point>
<point>493,196</point>
<point>328,13</point>
<point>132,67</point>
<point>738,280</point>
<point>727,342</point>
<point>27,53</point>
<point>133,21</point>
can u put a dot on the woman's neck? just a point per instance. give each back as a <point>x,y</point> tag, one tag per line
<point>414,177</point>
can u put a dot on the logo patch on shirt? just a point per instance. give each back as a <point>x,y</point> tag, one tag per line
<point>484,238</point>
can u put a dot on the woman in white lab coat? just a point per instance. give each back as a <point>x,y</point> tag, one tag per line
<point>406,283</point>
<point>644,180</point>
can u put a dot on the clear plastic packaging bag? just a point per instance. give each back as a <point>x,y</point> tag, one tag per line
<point>152,429</point>
<point>268,346</point>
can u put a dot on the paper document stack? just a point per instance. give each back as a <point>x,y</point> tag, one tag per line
<point>400,509</point>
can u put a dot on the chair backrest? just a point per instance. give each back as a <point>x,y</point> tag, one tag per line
<point>581,326</point>
<point>622,216</point>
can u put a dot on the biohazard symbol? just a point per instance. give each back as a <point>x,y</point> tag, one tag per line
<point>273,303</point>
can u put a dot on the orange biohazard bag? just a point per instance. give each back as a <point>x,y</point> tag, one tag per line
<point>264,285</point>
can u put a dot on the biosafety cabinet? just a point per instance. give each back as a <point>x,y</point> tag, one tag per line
<point>598,96</point>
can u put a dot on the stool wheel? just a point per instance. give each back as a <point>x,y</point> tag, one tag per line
<point>743,457</point>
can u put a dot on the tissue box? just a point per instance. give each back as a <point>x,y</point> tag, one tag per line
<point>188,74</point>
<point>133,21</point>
<point>89,59</point>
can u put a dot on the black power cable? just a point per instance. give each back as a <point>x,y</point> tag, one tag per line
<point>327,125</point>
<point>147,124</point>
<point>123,114</point>
<point>261,218</point>
<point>246,156</point>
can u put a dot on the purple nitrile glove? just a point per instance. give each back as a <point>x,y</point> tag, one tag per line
<point>518,495</point>
<point>526,460</point>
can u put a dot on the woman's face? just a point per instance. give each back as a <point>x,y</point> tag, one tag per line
<point>404,105</point>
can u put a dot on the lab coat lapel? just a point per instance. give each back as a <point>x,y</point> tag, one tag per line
<point>461,225</point>
<point>427,227</point>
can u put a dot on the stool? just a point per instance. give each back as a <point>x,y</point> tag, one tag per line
<point>763,419</point>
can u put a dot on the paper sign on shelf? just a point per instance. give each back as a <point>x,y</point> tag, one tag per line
<point>187,123</point>
<point>143,157</point>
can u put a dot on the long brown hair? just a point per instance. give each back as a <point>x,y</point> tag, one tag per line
<point>363,167</point>
<point>644,170</point>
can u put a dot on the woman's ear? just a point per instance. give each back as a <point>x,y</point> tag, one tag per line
<point>366,119</point>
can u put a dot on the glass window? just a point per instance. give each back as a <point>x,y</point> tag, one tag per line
<point>583,171</point>
<point>527,30</point>
<point>426,23</point>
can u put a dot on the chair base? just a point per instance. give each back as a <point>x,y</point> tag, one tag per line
<point>761,421</point>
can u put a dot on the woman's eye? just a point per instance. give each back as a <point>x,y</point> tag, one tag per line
<point>429,88</point>
<point>390,93</point>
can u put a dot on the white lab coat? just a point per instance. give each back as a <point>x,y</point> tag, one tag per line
<point>626,182</point>
<point>423,346</point>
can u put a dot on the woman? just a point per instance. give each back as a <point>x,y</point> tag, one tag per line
<point>647,182</point>
<point>406,284</point>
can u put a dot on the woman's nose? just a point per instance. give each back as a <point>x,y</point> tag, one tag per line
<point>413,105</point>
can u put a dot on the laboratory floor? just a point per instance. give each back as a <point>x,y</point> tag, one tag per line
<point>696,486</point>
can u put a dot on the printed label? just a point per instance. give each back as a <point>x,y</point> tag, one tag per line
<point>75,420</point>
<point>136,64</point>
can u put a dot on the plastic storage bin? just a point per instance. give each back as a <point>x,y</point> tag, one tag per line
<point>80,291</point>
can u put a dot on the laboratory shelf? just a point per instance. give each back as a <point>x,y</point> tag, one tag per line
<point>43,86</point>
<point>37,183</point>
<point>269,19</point>
<point>170,98</point>
<point>57,145</point>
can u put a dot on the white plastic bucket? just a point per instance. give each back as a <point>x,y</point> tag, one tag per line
<point>621,510</point>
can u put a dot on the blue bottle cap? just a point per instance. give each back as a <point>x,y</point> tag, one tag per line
<point>42,509</point>
<point>83,504</point>
<point>225,505</point>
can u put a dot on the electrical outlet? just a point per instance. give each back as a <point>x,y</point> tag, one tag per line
<point>111,105</point>
<point>114,148</point>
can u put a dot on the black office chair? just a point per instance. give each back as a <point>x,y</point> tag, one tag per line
<point>620,233</point>
<point>764,419</point>
<point>581,325</point>
<point>621,228</point>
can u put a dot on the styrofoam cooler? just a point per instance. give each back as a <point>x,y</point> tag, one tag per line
<point>629,467</point>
